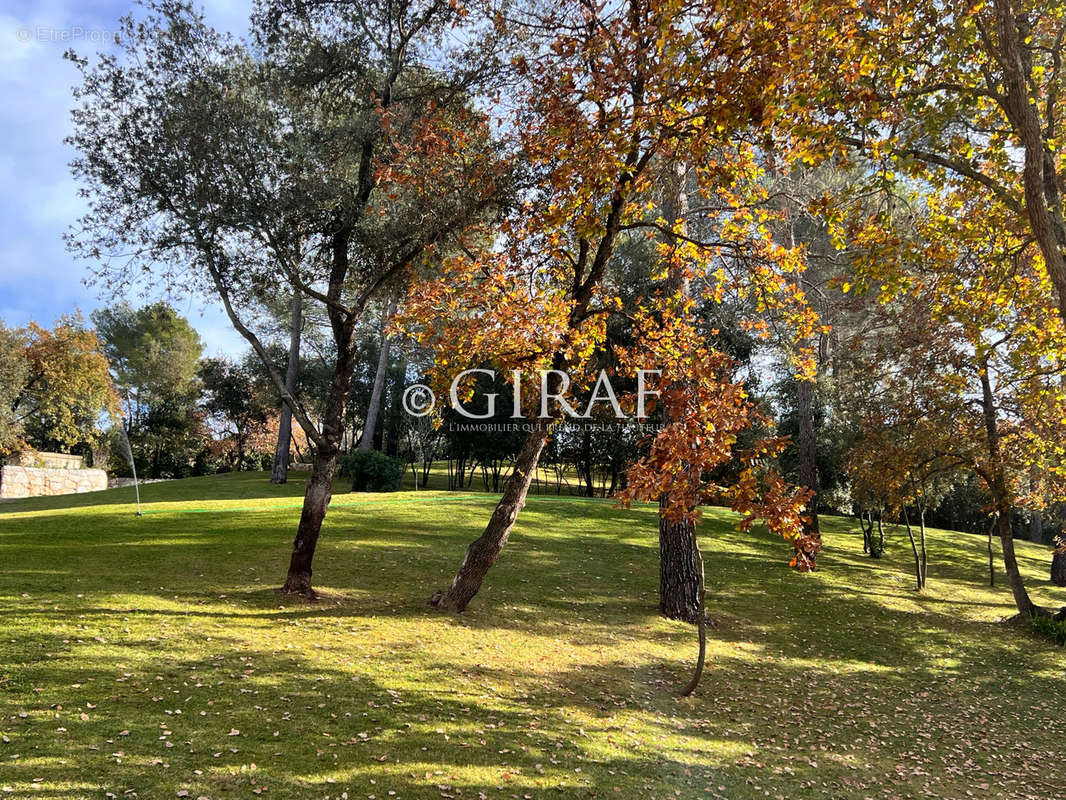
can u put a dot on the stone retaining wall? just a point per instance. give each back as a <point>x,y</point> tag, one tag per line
<point>36,458</point>
<point>35,482</point>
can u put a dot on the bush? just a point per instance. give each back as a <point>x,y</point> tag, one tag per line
<point>1051,628</point>
<point>371,471</point>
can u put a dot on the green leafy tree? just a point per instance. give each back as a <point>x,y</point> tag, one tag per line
<point>154,353</point>
<point>336,154</point>
<point>236,405</point>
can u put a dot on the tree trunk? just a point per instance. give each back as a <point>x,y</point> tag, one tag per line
<point>320,484</point>
<point>1058,568</point>
<point>807,462</point>
<point>1010,564</point>
<point>991,555</point>
<point>373,411</point>
<point>1040,181</point>
<point>280,472</point>
<point>483,551</point>
<point>701,621</point>
<point>1036,527</point>
<point>1001,498</point>
<point>925,558</point>
<point>316,501</point>
<point>396,416</point>
<point>586,462</point>
<point>679,558</point>
<point>680,568</point>
<point>914,549</point>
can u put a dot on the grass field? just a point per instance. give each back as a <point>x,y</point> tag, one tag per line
<point>150,657</point>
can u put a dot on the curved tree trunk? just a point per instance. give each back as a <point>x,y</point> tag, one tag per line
<point>320,484</point>
<point>914,550</point>
<point>1001,498</point>
<point>280,471</point>
<point>701,622</point>
<point>483,551</point>
<point>1010,565</point>
<point>1040,181</point>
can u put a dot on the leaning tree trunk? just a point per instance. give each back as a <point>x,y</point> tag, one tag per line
<point>1010,565</point>
<point>316,501</point>
<point>280,472</point>
<point>914,550</point>
<point>483,551</point>
<point>1001,498</point>
<point>320,485</point>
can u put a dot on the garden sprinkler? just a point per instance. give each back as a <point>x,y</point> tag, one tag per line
<point>133,467</point>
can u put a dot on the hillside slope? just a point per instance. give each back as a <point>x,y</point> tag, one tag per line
<point>150,655</point>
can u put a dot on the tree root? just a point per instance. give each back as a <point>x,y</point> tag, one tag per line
<point>307,594</point>
<point>701,623</point>
<point>701,659</point>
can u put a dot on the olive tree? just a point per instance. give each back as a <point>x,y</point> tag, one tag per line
<point>331,154</point>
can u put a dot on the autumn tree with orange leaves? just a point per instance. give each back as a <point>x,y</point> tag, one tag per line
<point>614,98</point>
<point>969,96</point>
<point>972,357</point>
<point>57,387</point>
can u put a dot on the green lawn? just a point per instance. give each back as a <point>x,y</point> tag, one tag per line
<point>150,657</point>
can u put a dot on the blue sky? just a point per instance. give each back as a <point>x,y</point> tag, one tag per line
<point>39,280</point>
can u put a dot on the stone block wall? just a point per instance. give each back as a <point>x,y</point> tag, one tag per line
<point>35,458</point>
<point>16,481</point>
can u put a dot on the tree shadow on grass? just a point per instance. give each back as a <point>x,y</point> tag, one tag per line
<point>493,739</point>
<point>797,662</point>
<point>777,724</point>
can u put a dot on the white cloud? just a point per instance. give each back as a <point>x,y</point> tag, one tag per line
<point>38,197</point>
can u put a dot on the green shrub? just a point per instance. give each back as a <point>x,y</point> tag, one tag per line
<point>1053,629</point>
<point>371,471</point>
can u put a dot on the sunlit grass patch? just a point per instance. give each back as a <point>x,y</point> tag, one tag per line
<point>159,647</point>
